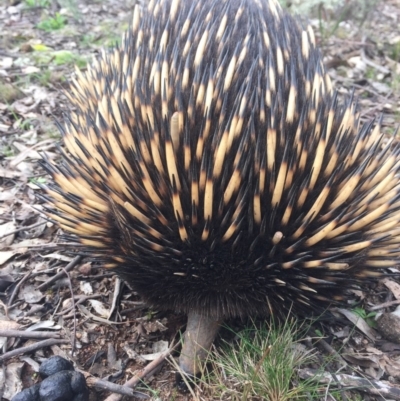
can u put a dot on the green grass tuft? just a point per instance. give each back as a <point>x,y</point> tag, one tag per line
<point>262,364</point>
<point>52,23</point>
<point>38,3</point>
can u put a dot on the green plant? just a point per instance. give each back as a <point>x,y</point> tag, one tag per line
<point>7,151</point>
<point>395,52</point>
<point>52,23</point>
<point>262,364</point>
<point>38,180</point>
<point>328,29</point>
<point>45,77</point>
<point>25,125</point>
<point>87,39</point>
<point>319,333</point>
<point>369,317</point>
<point>63,57</point>
<point>37,3</point>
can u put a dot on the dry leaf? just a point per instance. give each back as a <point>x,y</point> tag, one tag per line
<point>393,287</point>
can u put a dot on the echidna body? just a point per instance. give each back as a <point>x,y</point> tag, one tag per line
<point>209,162</point>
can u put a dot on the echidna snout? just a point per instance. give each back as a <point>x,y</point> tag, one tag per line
<point>209,162</point>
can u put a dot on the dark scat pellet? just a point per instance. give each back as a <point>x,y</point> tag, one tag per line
<point>53,365</point>
<point>28,394</point>
<point>57,387</point>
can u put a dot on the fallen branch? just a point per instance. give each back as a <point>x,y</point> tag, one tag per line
<point>32,347</point>
<point>28,334</point>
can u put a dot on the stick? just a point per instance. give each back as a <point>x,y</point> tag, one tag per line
<point>28,334</point>
<point>16,289</point>
<point>32,347</point>
<point>384,305</point>
<point>113,387</point>
<point>73,308</point>
<point>22,229</point>
<point>69,267</point>
<point>131,383</point>
<point>79,299</point>
<point>370,386</point>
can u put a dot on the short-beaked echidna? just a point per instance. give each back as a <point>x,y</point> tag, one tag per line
<point>210,163</point>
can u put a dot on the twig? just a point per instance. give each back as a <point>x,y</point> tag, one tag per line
<point>95,277</point>
<point>384,305</point>
<point>370,386</point>
<point>383,98</point>
<point>370,63</point>
<point>6,133</point>
<point>73,308</point>
<point>134,381</point>
<point>32,347</point>
<point>327,348</point>
<point>90,315</point>
<point>136,308</point>
<point>112,387</point>
<point>79,299</point>
<point>23,229</point>
<point>69,267</point>
<point>116,294</point>
<point>351,42</point>
<point>28,334</point>
<point>16,289</point>
<point>342,390</point>
<point>35,309</point>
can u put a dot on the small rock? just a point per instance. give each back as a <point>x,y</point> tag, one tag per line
<point>388,324</point>
<point>86,269</point>
<point>26,48</point>
<point>10,93</point>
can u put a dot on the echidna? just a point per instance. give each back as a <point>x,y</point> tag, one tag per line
<point>210,163</point>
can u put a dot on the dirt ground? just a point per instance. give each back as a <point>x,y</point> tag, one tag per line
<point>40,42</point>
